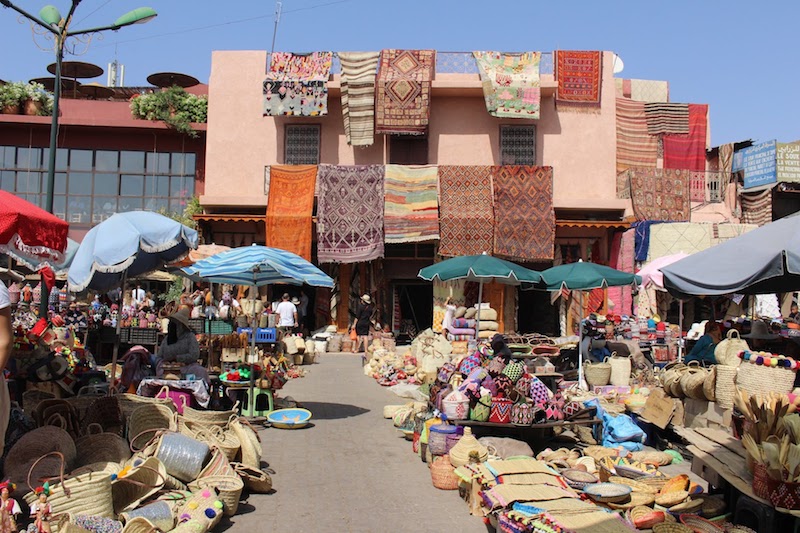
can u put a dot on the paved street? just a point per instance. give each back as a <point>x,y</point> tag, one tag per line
<point>351,471</point>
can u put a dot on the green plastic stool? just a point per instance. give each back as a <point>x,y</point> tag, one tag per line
<point>266,406</point>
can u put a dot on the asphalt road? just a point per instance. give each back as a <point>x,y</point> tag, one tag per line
<point>350,471</point>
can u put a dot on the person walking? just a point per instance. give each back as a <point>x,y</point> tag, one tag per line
<point>362,322</point>
<point>6,342</point>
<point>287,313</point>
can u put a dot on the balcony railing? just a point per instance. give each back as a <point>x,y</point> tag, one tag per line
<point>460,63</point>
<point>704,187</point>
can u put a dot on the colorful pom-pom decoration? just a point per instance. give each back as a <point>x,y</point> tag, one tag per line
<point>210,513</point>
<point>774,362</point>
<point>760,360</point>
<point>745,356</point>
<point>185,516</point>
<point>218,504</point>
<point>206,494</point>
<point>113,477</point>
<point>767,361</point>
<point>192,505</point>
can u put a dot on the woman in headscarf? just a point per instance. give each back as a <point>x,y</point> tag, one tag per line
<point>181,346</point>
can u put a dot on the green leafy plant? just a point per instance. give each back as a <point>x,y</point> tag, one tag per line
<point>186,218</point>
<point>174,292</point>
<point>17,93</point>
<point>174,106</point>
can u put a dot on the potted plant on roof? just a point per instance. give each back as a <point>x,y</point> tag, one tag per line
<point>11,97</point>
<point>37,100</point>
<point>174,106</point>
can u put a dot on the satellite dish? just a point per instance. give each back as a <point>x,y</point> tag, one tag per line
<point>618,64</point>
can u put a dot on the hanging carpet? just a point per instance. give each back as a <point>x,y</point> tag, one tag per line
<point>412,208</point>
<point>579,75</point>
<point>635,147</point>
<point>666,118</point>
<point>511,86</point>
<point>350,213</point>
<point>525,222</point>
<point>660,194</point>
<point>689,151</point>
<point>297,84</point>
<point>466,215</point>
<point>358,96</point>
<point>289,208</point>
<point>403,95</point>
<point>757,207</point>
<point>648,90</point>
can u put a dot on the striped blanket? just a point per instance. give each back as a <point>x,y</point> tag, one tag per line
<point>666,118</point>
<point>757,207</point>
<point>411,213</point>
<point>689,151</point>
<point>511,84</point>
<point>635,147</point>
<point>403,95</point>
<point>358,96</point>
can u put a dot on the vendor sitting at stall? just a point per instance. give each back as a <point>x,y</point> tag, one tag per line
<point>703,350</point>
<point>180,345</point>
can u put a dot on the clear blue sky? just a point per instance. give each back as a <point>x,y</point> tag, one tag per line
<point>739,57</point>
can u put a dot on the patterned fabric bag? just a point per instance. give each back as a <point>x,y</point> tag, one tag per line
<point>540,394</point>
<point>522,414</point>
<point>504,385</point>
<point>501,410</point>
<point>514,371</point>
<point>482,409</point>
<point>445,372</point>
<point>469,364</point>
<point>496,366</point>
<point>523,385</point>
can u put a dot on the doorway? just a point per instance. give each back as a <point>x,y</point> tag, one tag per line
<point>412,308</point>
<point>536,314</point>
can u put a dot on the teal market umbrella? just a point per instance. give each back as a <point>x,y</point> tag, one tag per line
<point>481,268</point>
<point>584,276</point>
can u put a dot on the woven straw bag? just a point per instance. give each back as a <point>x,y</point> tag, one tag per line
<point>107,412</point>
<point>620,370</point>
<point>710,384</point>
<point>209,418</point>
<point>725,385</point>
<point>85,494</point>
<point>249,440</point>
<point>202,511</point>
<point>149,417</point>
<point>229,488</point>
<point>692,381</point>
<point>215,436</point>
<point>160,514</point>
<point>671,527</point>
<point>675,389</point>
<point>727,351</point>
<point>32,446</point>
<point>140,482</point>
<point>443,474</point>
<point>597,374</point>
<point>98,447</point>
<point>755,378</point>
<point>218,465</point>
<point>256,480</point>
<point>183,457</point>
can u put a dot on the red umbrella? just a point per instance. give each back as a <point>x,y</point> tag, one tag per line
<point>30,230</point>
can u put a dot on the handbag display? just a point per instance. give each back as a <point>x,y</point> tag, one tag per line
<point>482,409</point>
<point>620,370</point>
<point>522,414</point>
<point>727,351</point>
<point>501,410</point>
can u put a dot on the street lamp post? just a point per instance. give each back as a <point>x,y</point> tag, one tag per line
<point>51,20</point>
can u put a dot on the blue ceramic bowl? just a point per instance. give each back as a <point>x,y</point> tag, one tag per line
<point>289,418</point>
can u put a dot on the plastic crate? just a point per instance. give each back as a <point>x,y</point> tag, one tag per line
<point>263,335</point>
<point>142,336</point>
<point>124,335</point>
<point>218,327</point>
<point>198,325</point>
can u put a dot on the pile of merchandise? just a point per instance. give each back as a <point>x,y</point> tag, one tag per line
<point>188,467</point>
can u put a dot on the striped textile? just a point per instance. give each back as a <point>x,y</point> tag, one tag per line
<point>358,96</point>
<point>666,118</point>
<point>350,213</point>
<point>648,90</point>
<point>257,265</point>
<point>757,207</point>
<point>466,210</point>
<point>635,147</point>
<point>411,211</point>
<point>289,207</point>
<point>688,152</point>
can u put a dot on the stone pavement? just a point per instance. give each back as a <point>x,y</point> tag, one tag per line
<point>351,471</point>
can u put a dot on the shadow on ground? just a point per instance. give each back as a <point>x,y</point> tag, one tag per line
<point>333,411</point>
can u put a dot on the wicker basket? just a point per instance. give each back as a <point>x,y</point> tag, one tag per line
<point>577,479</point>
<point>140,482</point>
<point>710,384</point>
<point>229,487</point>
<point>215,436</point>
<point>692,381</point>
<point>712,507</point>
<point>679,482</point>
<point>182,456</point>
<point>443,474</point>
<point>160,514</point>
<point>608,492</point>
<point>129,402</point>
<point>725,385</point>
<point>635,486</point>
<point>688,507</point>
<point>699,525</point>
<point>31,447</point>
<point>637,499</point>
<point>31,398</point>
<point>209,418</point>
<point>105,411</point>
<point>670,499</point>
<point>655,483</point>
<point>101,447</point>
<point>598,452</point>
<point>645,517</point>
<point>218,465</point>
<point>674,527</point>
<point>148,417</point>
<point>249,440</point>
<point>761,379</point>
<point>597,374</point>
<point>255,480</point>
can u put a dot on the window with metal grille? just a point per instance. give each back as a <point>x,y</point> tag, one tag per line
<point>716,185</point>
<point>301,144</point>
<point>517,145</point>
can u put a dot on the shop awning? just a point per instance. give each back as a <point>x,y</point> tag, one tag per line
<point>230,218</point>
<point>592,224</point>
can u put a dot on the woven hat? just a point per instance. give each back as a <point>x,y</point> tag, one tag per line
<point>181,316</point>
<point>295,300</point>
<point>760,330</point>
<point>366,298</point>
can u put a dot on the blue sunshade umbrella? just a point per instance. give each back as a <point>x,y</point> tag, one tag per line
<point>257,266</point>
<point>126,245</point>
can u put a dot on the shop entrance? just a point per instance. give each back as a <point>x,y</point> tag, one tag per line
<point>536,314</point>
<point>412,308</point>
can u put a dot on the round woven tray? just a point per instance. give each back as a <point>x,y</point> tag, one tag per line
<point>680,482</point>
<point>670,499</point>
<point>578,479</point>
<point>700,525</point>
<point>646,517</point>
<point>636,499</point>
<point>636,486</point>
<point>712,506</point>
<point>673,527</point>
<point>652,457</point>
<point>608,492</point>
<point>687,507</point>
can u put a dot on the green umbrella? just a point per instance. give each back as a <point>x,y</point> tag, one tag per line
<point>582,276</point>
<point>480,268</point>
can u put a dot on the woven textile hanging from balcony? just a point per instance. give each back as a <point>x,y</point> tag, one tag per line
<point>412,206</point>
<point>358,96</point>
<point>689,151</point>
<point>511,84</point>
<point>350,213</point>
<point>466,210</point>
<point>525,221</point>
<point>580,76</point>
<point>297,84</point>
<point>635,147</point>
<point>403,95</point>
<point>289,207</point>
<point>660,194</point>
<point>667,118</point>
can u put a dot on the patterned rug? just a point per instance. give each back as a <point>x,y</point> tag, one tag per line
<point>660,194</point>
<point>579,75</point>
<point>412,203</point>
<point>666,118</point>
<point>358,96</point>
<point>466,215</point>
<point>525,222</point>
<point>511,85</point>
<point>403,96</point>
<point>635,147</point>
<point>689,152</point>
<point>648,90</point>
<point>757,207</point>
<point>297,84</point>
<point>289,207</point>
<point>350,213</point>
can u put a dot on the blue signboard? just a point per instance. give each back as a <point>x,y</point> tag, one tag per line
<point>760,164</point>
